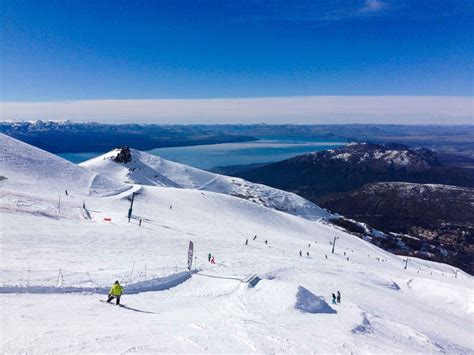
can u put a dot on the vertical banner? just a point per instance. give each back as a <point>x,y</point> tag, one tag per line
<point>131,207</point>
<point>190,254</point>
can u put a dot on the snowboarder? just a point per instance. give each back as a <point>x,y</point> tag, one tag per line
<point>333,298</point>
<point>115,292</point>
<point>338,297</point>
<point>209,256</point>
<point>213,261</point>
<point>254,237</point>
<point>246,242</point>
<point>301,253</point>
<point>140,222</point>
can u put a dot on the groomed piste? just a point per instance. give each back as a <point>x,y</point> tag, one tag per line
<point>385,307</point>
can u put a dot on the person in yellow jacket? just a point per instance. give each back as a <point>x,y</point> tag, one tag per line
<point>115,292</point>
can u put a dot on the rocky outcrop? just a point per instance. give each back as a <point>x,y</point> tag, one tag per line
<point>124,155</point>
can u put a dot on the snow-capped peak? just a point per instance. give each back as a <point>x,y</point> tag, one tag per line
<point>148,169</point>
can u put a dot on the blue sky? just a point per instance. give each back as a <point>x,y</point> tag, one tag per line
<point>96,50</point>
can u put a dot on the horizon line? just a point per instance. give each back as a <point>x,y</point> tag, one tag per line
<point>321,109</point>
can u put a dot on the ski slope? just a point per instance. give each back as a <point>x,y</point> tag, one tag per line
<point>62,262</point>
<point>26,166</point>
<point>148,169</point>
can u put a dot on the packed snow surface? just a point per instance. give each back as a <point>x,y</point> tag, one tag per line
<point>148,169</point>
<point>56,265</point>
<point>28,167</point>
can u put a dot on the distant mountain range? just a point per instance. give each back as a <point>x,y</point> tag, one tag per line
<point>391,187</point>
<point>318,174</point>
<point>72,137</point>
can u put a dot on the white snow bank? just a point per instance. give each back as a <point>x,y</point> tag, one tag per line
<point>154,284</point>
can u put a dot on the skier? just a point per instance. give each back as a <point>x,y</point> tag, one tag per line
<point>307,253</point>
<point>115,292</point>
<point>266,242</point>
<point>254,237</point>
<point>140,222</point>
<point>333,298</point>
<point>246,242</point>
<point>301,253</point>
<point>171,207</point>
<point>309,245</point>
<point>84,204</point>
<point>65,192</point>
<point>213,261</point>
<point>338,297</point>
<point>209,256</point>
<point>326,256</point>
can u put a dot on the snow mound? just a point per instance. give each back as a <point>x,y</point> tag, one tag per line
<point>154,284</point>
<point>148,169</point>
<point>308,302</point>
<point>28,168</point>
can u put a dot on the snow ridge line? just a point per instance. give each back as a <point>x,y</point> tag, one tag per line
<point>155,284</point>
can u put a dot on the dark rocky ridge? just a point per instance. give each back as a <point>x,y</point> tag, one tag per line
<point>123,156</point>
<point>440,217</point>
<point>318,174</point>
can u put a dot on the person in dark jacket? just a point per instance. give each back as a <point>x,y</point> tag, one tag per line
<point>338,298</point>
<point>333,298</point>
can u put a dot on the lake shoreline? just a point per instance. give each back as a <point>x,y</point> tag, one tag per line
<point>209,156</point>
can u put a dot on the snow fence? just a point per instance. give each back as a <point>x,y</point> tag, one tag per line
<point>63,281</point>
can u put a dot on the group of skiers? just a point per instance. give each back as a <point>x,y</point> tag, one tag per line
<point>210,258</point>
<point>336,299</point>
<point>301,253</point>
<point>254,238</point>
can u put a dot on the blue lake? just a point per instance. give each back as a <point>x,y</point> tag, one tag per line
<point>266,150</point>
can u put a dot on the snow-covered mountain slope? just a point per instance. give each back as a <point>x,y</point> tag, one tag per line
<point>54,270</point>
<point>23,166</point>
<point>147,169</point>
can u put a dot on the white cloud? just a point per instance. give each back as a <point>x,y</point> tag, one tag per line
<point>298,109</point>
<point>372,6</point>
